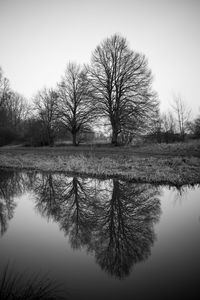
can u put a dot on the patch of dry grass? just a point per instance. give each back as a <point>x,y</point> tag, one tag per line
<point>171,170</point>
<point>189,148</point>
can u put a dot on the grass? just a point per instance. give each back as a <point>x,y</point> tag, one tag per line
<point>174,164</point>
<point>16,287</point>
<point>191,147</point>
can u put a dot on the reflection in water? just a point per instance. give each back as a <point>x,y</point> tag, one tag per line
<point>114,221</point>
<point>12,184</point>
<point>124,231</point>
<point>111,218</point>
<point>70,202</point>
<point>15,286</point>
<point>181,192</point>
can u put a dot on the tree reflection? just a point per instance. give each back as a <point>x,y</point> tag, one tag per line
<point>112,219</point>
<point>68,201</point>
<point>125,227</point>
<point>11,185</point>
<point>181,192</point>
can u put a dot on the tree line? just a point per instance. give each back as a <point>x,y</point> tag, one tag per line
<point>176,124</point>
<point>13,112</point>
<point>115,87</point>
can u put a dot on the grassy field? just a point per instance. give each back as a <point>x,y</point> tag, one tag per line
<point>175,164</point>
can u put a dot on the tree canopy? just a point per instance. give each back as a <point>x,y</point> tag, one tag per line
<point>122,86</point>
<point>75,106</point>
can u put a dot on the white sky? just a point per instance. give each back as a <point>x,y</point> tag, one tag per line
<point>39,37</point>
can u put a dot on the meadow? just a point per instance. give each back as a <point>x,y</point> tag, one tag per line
<point>174,164</point>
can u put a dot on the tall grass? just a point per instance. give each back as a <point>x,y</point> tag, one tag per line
<point>16,287</point>
<point>172,169</point>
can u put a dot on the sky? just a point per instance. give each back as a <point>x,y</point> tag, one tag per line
<point>39,37</point>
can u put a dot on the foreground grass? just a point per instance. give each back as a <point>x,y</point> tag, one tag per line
<point>174,170</point>
<point>14,286</point>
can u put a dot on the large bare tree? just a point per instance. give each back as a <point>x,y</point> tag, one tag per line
<point>122,86</point>
<point>75,107</point>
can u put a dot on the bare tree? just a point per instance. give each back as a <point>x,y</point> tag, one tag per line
<point>121,82</point>
<point>46,106</point>
<point>75,108</point>
<point>17,109</point>
<point>13,112</point>
<point>168,127</point>
<point>4,98</point>
<point>4,88</point>
<point>197,127</point>
<point>194,127</point>
<point>168,122</point>
<point>182,114</point>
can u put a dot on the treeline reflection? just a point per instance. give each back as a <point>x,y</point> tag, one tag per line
<point>112,219</point>
<point>12,184</point>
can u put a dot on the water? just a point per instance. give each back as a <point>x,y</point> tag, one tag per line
<point>101,239</point>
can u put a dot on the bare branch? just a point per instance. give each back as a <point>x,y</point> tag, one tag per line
<point>75,108</point>
<point>121,85</point>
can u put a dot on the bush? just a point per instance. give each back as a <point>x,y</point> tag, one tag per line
<point>7,136</point>
<point>35,134</point>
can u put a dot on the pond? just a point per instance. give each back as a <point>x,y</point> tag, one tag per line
<point>101,239</point>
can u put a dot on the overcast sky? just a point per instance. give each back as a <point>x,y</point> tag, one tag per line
<point>39,37</point>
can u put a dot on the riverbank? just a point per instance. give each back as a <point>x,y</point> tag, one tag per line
<point>127,165</point>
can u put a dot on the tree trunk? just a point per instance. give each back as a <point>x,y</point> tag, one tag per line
<point>74,139</point>
<point>114,136</point>
<point>50,138</point>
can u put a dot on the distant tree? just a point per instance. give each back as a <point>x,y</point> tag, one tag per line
<point>13,112</point>
<point>4,97</point>
<point>197,127</point>
<point>4,88</point>
<point>18,108</point>
<point>194,127</point>
<point>87,135</point>
<point>34,133</point>
<point>168,124</point>
<point>121,83</point>
<point>45,103</point>
<point>182,114</point>
<point>75,108</point>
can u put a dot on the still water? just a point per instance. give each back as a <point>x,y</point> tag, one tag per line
<point>101,239</point>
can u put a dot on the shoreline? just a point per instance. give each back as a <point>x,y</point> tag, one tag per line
<point>168,170</point>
